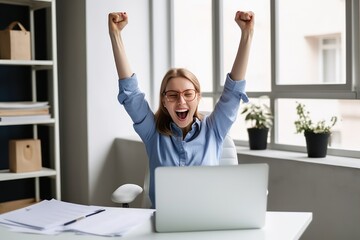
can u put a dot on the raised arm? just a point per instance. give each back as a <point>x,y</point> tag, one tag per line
<point>117,22</point>
<point>245,20</point>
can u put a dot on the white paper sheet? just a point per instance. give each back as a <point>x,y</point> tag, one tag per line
<point>49,217</point>
<point>112,222</point>
<point>48,214</point>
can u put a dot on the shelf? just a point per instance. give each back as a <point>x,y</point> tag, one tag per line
<point>6,175</point>
<point>45,64</point>
<point>44,85</point>
<point>34,4</point>
<point>28,122</point>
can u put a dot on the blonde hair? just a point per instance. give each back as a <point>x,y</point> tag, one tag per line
<point>162,116</point>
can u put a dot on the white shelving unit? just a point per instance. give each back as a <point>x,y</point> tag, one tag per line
<point>50,65</point>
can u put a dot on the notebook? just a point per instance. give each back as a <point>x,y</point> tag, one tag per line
<point>201,198</point>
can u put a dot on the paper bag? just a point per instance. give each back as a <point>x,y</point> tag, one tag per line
<point>15,44</point>
<point>25,155</point>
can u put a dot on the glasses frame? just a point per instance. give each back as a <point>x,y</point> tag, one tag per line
<point>180,94</point>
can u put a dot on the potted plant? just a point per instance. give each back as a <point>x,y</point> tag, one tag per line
<point>316,134</point>
<point>260,119</point>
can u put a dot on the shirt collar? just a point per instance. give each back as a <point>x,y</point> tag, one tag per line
<point>195,127</point>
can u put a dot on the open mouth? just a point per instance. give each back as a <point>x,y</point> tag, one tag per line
<point>182,114</point>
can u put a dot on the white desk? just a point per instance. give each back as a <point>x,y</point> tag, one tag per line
<point>279,225</point>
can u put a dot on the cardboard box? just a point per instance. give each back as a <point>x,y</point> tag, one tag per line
<point>25,155</point>
<point>16,204</point>
<point>15,44</point>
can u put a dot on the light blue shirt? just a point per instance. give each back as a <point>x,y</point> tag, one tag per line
<point>203,143</point>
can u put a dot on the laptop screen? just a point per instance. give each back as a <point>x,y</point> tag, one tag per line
<point>210,197</point>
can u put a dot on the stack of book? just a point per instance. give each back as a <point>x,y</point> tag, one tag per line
<point>24,111</point>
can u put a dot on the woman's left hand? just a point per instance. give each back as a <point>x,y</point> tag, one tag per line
<point>245,20</point>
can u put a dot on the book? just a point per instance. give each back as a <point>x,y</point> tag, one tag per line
<point>27,118</point>
<point>12,109</point>
<point>22,105</point>
<point>22,112</point>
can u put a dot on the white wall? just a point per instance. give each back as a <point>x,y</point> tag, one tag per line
<point>331,193</point>
<point>91,117</point>
<point>106,118</point>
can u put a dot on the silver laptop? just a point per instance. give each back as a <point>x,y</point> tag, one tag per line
<point>210,197</point>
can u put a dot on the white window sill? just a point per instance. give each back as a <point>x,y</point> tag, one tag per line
<point>300,157</point>
<point>288,155</point>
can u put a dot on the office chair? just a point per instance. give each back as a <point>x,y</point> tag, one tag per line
<point>126,193</point>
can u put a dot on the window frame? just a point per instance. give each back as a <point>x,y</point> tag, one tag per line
<point>328,90</point>
<point>348,90</point>
<point>321,91</point>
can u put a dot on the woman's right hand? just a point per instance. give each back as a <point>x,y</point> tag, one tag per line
<point>117,21</point>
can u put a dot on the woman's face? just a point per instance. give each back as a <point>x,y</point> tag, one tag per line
<point>181,102</point>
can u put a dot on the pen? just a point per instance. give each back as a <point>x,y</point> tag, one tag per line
<point>78,219</point>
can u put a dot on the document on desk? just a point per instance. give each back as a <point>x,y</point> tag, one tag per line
<point>53,217</point>
<point>48,214</point>
<point>112,222</point>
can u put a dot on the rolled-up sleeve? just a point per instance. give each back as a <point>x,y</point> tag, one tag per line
<point>226,109</point>
<point>127,87</point>
<point>136,106</point>
<point>237,87</point>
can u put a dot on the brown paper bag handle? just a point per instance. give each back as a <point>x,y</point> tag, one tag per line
<point>13,24</point>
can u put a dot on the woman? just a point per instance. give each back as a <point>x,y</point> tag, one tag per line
<point>177,135</point>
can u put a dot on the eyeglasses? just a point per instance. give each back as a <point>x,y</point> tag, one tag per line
<point>188,95</point>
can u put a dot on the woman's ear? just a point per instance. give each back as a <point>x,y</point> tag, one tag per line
<point>198,97</point>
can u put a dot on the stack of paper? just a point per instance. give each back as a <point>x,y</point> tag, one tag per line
<point>53,217</point>
<point>20,111</point>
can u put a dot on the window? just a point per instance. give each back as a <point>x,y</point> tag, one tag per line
<point>258,71</point>
<point>304,53</point>
<point>192,40</point>
<point>347,111</point>
<point>299,53</point>
<point>330,60</point>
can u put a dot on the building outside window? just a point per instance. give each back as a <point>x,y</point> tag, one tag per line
<point>330,58</point>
